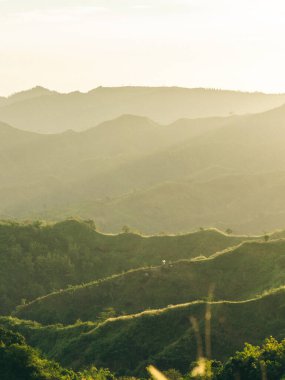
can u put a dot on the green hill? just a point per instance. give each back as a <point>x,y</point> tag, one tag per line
<point>238,274</point>
<point>36,260</point>
<point>163,337</point>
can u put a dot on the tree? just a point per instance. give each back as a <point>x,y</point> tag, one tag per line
<point>255,363</point>
<point>90,223</point>
<point>126,229</point>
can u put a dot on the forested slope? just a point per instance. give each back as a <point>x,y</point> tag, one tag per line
<point>238,274</point>
<point>164,337</point>
<point>36,260</point>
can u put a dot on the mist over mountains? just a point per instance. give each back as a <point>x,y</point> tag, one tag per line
<point>142,224</point>
<point>84,176</point>
<point>156,169</point>
<point>45,111</point>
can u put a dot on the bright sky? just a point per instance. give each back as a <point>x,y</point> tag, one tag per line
<point>81,44</point>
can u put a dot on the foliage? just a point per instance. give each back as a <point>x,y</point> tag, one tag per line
<point>256,362</point>
<point>237,274</point>
<point>18,361</point>
<point>36,259</point>
<point>164,338</point>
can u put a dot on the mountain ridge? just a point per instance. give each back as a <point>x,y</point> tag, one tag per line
<point>56,112</point>
<point>252,262</point>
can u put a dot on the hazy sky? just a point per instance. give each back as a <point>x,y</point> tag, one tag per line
<point>68,44</point>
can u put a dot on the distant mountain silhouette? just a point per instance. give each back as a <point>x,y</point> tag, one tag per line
<point>29,94</point>
<point>41,110</point>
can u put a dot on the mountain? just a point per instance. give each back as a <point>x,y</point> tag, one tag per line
<point>11,138</point>
<point>33,93</point>
<point>163,337</point>
<point>125,136</point>
<point>227,172</point>
<point>36,260</point>
<point>237,274</point>
<point>245,203</point>
<point>242,145</point>
<point>44,169</point>
<point>41,110</point>
<point>244,157</point>
<point>2,101</point>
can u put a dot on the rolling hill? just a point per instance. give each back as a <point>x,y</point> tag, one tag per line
<point>238,274</point>
<point>36,260</point>
<point>164,337</point>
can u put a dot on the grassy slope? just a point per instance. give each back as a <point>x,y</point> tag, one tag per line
<point>164,337</point>
<point>238,274</point>
<point>38,260</point>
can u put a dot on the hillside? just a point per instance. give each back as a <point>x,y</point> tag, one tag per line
<point>53,171</point>
<point>41,110</point>
<point>162,337</point>
<point>244,203</point>
<point>249,163</point>
<point>36,260</point>
<point>12,138</point>
<point>238,274</point>
<point>2,101</point>
<point>228,172</point>
<point>240,146</point>
<point>18,361</point>
<point>142,190</point>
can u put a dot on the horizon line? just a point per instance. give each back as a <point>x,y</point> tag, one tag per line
<point>62,92</point>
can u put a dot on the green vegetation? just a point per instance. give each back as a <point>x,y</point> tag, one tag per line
<point>74,300</point>
<point>36,260</point>
<point>237,274</point>
<point>165,337</point>
<point>18,361</point>
<point>255,363</point>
